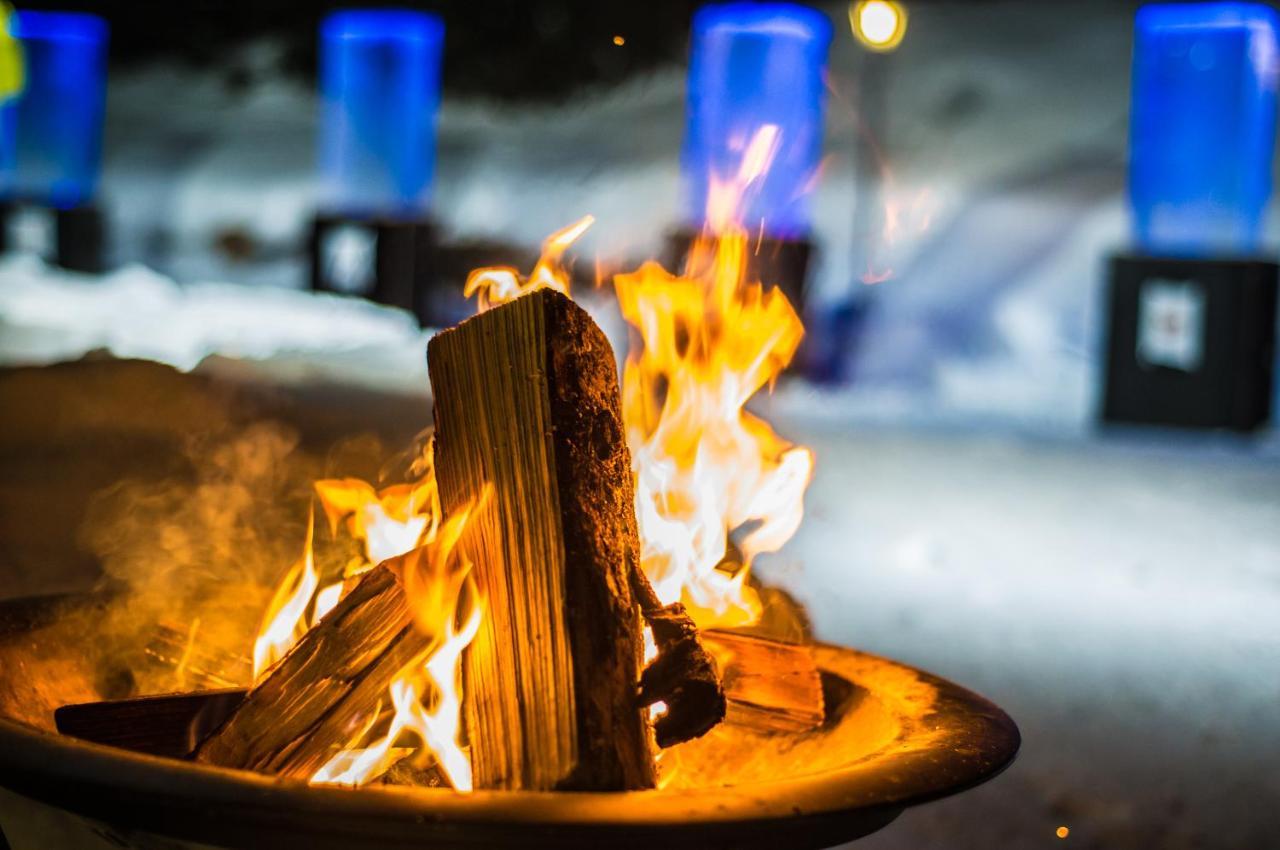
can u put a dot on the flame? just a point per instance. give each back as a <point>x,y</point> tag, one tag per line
<point>386,522</point>
<point>402,526</point>
<point>500,284</point>
<point>285,619</point>
<point>705,469</point>
<point>725,196</point>
<point>710,339</point>
<point>441,592</point>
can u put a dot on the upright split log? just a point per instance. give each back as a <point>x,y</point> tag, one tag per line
<point>526,398</point>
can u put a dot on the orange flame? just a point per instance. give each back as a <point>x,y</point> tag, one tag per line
<point>441,592</point>
<point>706,469</point>
<point>725,196</point>
<point>500,284</point>
<point>285,620</point>
<point>387,523</point>
<point>400,525</point>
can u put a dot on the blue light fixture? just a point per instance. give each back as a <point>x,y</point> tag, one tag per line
<point>10,86</point>
<point>380,91</point>
<point>1202,126</point>
<point>58,116</point>
<point>8,145</point>
<point>752,65</point>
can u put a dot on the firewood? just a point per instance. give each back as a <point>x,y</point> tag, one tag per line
<point>683,676</point>
<point>162,725</point>
<point>526,398</point>
<point>305,709</point>
<point>195,666</point>
<point>770,685</point>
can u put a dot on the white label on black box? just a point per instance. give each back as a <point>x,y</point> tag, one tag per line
<point>31,230</point>
<point>348,253</point>
<point>1171,324</point>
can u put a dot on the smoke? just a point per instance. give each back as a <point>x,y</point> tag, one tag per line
<point>189,561</point>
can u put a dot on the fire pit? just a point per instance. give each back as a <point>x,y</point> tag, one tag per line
<point>894,737</point>
<point>546,628</point>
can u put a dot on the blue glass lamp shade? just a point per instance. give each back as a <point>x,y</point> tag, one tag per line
<point>380,91</point>
<point>58,116</point>
<point>10,76</point>
<point>752,65</point>
<point>1202,126</point>
<point>8,144</point>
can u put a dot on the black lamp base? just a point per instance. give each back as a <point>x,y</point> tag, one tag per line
<point>73,238</point>
<point>392,262</point>
<point>1190,342</point>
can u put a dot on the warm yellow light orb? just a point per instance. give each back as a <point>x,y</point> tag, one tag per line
<point>878,24</point>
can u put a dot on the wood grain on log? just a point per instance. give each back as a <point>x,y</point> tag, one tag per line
<point>321,692</point>
<point>770,685</point>
<point>527,400</point>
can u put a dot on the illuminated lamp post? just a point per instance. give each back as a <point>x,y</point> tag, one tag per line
<point>379,92</point>
<point>753,65</point>
<point>879,27</point>
<point>57,137</point>
<point>1193,307</point>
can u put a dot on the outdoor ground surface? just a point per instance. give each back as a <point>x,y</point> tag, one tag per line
<point>1118,595</point>
<point>1119,598</point>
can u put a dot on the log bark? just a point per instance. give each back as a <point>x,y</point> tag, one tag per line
<point>770,685</point>
<point>684,676</point>
<point>526,399</point>
<point>315,697</point>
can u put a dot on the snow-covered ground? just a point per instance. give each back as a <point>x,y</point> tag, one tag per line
<point>48,315</point>
<point>1121,599</point>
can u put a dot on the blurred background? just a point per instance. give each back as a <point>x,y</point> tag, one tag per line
<point>1039,473</point>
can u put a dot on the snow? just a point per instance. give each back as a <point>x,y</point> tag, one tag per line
<point>49,315</point>
<point>1119,598</point>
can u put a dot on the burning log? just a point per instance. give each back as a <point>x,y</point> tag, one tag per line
<point>294,720</point>
<point>527,398</point>
<point>683,676</point>
<point>771,686</point>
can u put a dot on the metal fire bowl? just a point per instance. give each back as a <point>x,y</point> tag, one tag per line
<point>896,737</point>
